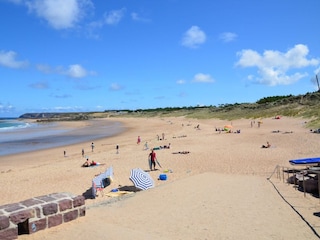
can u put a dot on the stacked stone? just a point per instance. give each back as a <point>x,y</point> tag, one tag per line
<point>39,213</point>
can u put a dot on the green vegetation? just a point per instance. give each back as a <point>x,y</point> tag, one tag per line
<point>272,99</point>
<point>305,106</point>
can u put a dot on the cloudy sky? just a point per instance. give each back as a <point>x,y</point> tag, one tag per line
<point>93,55</point>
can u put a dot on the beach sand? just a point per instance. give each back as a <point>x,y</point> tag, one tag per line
<point>219,190</point>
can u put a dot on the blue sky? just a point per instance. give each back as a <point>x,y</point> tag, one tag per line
<point>96,55</point>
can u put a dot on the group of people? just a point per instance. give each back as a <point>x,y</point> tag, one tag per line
<point>162,147</point>
<point>89,163</point>
<point>152,155</point>
<point>162,138</point>
<point>181,152</point>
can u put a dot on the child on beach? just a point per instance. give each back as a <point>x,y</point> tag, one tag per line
<point>92,146</point>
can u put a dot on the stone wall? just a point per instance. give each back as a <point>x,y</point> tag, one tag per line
<point>35,214</point>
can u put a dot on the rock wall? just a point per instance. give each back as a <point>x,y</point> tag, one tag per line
<point>35,214</point>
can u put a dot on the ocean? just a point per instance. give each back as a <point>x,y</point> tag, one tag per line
<point>19,136</point>
<point>7,124</point>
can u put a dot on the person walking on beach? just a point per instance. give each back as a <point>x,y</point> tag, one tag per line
<point>139,140</point>
<point>153,158</point>
<point>82,152</point>
<point>117,147</point>
<point>64,153</point>
<point>92,146</point>
<point>146,146</point>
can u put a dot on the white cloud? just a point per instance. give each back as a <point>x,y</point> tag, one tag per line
<point>135,17</point>
<point>76,71</point>
<point>73,71</point>
<point>273,66</point>
<point>228,36</point>
<point>64,109</point>
<point>181,81</point>
<point>60,14</point>
<point>6,108</point>
<point>63,96</point>
<point>114,17</point>
<point>203,78</point>
<point>115,87</point>
<point>99,107</point>
<point>193,37</point>
<point>109,18</point>
<point>8,59</point>
<point>44,68</point>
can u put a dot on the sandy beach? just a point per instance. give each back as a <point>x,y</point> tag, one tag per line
<point>219,189</point>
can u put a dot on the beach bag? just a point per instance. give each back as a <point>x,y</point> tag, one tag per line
<point>163,177</point>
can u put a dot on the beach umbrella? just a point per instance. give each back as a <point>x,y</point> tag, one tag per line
<point>227,127</point>
<point>141,179</point>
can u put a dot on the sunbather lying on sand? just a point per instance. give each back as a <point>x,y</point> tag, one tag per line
<point>183,152</point>
<point>88,163</point>
<point>266,146</point>
<point>181,136</point>
<point>162,147</point>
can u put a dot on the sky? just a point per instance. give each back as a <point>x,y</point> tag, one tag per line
<point>97,55</point>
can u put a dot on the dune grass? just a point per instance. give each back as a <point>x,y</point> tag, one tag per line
<point>302,106</point>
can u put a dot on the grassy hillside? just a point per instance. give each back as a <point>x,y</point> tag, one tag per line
<point>305,106</point>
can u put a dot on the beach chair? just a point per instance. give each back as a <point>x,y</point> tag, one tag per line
<point>97,185</point>
<point>102,181</point>
<point>109,173</point>
<point>96,189</point>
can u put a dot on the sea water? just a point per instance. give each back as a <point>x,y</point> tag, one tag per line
<point>7,124</point>
<point>18,136</point>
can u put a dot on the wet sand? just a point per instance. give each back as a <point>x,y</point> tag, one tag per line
<point>49,135</point>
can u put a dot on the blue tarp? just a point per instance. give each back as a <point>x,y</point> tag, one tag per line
<point>305,161</point>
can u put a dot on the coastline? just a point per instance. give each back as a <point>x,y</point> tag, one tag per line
<point>56,134</point>
<point>230,165</point>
